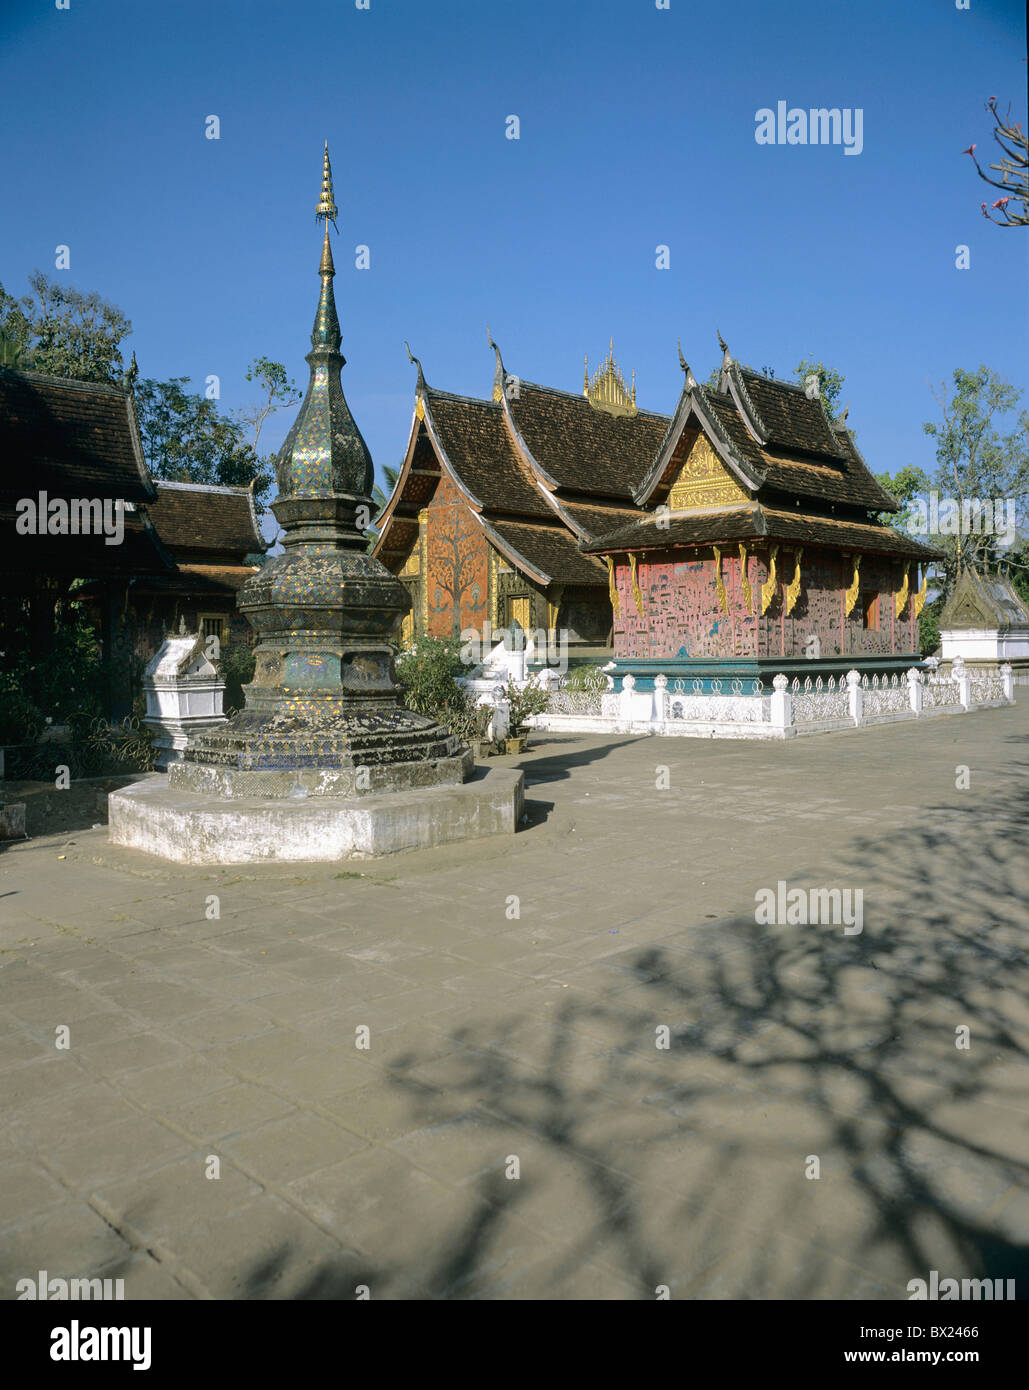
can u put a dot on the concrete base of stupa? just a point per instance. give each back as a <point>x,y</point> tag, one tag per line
<point>192,827</point>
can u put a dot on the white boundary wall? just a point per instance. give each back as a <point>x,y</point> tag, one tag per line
<point>793,709</point>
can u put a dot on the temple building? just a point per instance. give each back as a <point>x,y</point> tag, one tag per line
<point>81,517</point>
<point>743,532</point>
<point>214,538</point>
<point>761,547</point>
<point>495,496</point>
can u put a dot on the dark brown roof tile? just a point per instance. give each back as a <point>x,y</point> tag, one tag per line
<point>196,517</point>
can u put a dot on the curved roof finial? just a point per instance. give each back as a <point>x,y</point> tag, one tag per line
<point>499,374</point>
<point>723,375</point>
<point>414,360</point>
<point>691,380</point>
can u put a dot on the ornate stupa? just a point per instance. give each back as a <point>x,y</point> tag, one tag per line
<point>324,705</point>
<point>324,761</point>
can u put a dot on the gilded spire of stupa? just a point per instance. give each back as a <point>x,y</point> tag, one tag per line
<point>324,452</point>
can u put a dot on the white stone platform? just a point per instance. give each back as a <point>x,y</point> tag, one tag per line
<point>194,828</point>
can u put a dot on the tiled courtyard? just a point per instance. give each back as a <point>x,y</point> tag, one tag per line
<point>513,991</point>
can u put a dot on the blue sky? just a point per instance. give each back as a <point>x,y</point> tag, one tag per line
<point>637,130</point>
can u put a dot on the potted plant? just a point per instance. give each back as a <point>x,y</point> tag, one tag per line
<point>469,721</point>
<point>522,703</point>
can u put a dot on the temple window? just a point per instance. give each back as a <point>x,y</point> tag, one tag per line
<point>870,611</point>
<point>214,625</point>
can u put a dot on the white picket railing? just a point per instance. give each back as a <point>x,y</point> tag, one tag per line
<point>736,708</point>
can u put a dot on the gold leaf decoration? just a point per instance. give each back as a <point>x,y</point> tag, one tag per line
<point>902,595</point>
<point>855,585</point>
<point>793,589</point>
<point>636,595</point>
<point>768,589</point>
<point>612,587</point>
<point>723,600</point>
<point>607,391</point>
<point>748,593</point>
<point>703,481</point>
<point>923,591</point>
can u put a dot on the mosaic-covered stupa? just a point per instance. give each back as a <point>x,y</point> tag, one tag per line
<point>323,713</point>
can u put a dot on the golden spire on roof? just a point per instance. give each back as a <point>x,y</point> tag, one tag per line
<point>326,209</point>
<point>608,391</point>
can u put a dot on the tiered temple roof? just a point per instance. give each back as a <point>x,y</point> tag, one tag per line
<point>540,469</point>
<point>80,440</point>
<point>796,474</point>
<point>210,530</point>
<point>73,440</point>
<point>555,477</point>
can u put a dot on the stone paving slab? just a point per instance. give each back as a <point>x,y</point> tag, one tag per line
<point>567,1064</point>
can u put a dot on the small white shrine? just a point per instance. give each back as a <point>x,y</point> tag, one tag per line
<point>184,694</point>
<point>986,622</point>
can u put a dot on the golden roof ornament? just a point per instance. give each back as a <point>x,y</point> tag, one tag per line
<point>607,390</point>
<point>327,210</point>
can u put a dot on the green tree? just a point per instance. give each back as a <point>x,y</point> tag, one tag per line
<point>906,486</point>
<point>14,352</point>
<point>187,439</point>
<point>278,391</point>
<point>830,381</point>
<point>64,332</point>
<point>982,454</point>
<point>929,626</point>
<point>1016,566</point>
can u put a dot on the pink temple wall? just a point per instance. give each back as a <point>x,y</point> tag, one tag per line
<point>682,615</point>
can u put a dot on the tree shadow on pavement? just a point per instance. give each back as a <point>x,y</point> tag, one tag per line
<point>688,1165</point>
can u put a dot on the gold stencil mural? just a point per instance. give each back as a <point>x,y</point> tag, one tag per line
<point>703,481</point>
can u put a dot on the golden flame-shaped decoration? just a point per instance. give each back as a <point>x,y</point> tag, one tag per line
<point>723,599</point>
<point>608,391</point>
<point>748,593</point>
<point>923,591</point>
<point>793,588</point>
<point>855,585</point>
<point>612,587</point>
<point>637,597</point>
<point>902,595</point>
<point>768,589</point>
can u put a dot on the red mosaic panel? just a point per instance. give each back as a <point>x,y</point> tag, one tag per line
<point>457,556</point>
<point>682,615</point>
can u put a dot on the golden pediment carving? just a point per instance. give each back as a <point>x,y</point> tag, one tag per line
<point>703,481</point>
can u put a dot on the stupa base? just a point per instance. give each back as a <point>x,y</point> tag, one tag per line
<point>233,783</point>
<point>191,827</point>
